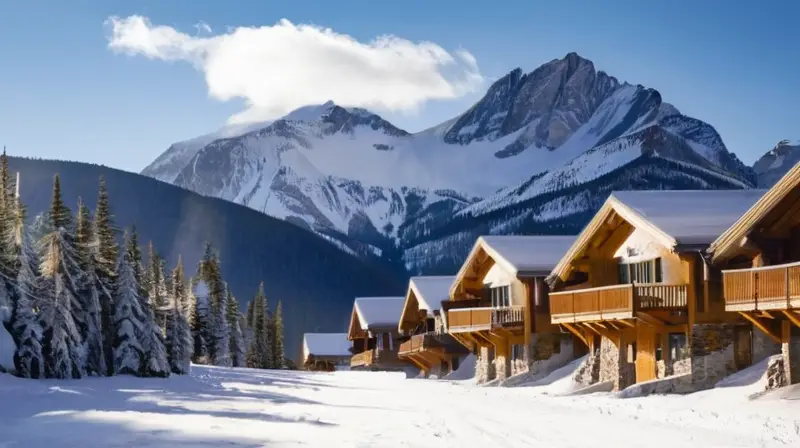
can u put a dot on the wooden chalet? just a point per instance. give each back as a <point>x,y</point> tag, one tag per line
<point>498,305</point>
<point>326,351</point>
<point>373,331</point>
<point>760,258</point>
<point>424,340</point>
<point>636,289</point>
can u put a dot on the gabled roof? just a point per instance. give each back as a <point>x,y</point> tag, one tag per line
<point>425,293</point>
<point>430,291</point>
<point>690,218</point>
<point>326,344</point>
<point>755,214</point>
<point>520,255</point>
<point>378,312</point>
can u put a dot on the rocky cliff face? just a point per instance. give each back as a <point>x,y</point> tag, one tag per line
<point>776,162</point>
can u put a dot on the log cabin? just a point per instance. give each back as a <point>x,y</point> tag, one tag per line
<point>326,352</point>
<point>425,342</point>
<point>760,260</point>
<point>498,309</point>
<point>636,288</point>
<point>373,332</point>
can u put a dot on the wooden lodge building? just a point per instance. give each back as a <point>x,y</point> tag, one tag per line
<point>425,342</point>
<point>373,332</point>
<point>637,289</point>
<point>326,351</point>
<point>760,258</point>
<point>498,306</point>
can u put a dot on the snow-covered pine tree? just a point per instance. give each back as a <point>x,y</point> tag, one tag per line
<point>89,295</point>
<point>62,348</point>
<point>255,350</point>
<point>201,323</point>
<point>128,319</point>
<point>107,256</point>
<point>179,333</point>
<point>237,343</point>
<point>222,353</point>
<point>156,284</point>
<point>278,355</point>
<point>155,361</point>
<point>8,251</point>
<point>28,359</point>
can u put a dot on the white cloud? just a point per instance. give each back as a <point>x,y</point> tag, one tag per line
<point>202,27</point>
<point>278,68</point>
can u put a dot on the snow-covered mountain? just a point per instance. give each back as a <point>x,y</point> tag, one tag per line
<point>776,162</point>
<point>538,153</point>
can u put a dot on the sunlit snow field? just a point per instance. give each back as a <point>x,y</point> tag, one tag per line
<point>252,408</point>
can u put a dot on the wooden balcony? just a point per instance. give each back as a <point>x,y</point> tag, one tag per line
<point>615,302</point>
<point>766,288</point>
<point>484,318</point>
<point>363,359</point>
<point>417,343</point>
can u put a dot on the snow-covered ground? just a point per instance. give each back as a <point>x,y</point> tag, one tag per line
<point>251,408</point>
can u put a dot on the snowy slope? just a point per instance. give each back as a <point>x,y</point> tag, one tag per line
<point>216,407</point>
<point>348,172</point>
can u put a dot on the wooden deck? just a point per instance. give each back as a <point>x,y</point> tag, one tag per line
<point>615,302</point>
<point>484,318</point>
<point>762,289</point>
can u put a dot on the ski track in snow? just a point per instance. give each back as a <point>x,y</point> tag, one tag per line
<point>251,408</point>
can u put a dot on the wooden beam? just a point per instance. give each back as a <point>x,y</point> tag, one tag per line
<point>793,317</point>
<point>760,325</point>
<point>766,314</point>
<point>577,333</point>
<point>650,320</point>
<point>469,345</point>
<point>612,335</point>
<point>627,323</point>
<point>613,325</point>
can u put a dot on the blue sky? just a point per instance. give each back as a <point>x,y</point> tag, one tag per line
<point>64,94</point>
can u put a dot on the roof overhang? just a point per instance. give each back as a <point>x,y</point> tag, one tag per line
<point>481,246</point>
<point>726,245</point>
<point>611,207</point>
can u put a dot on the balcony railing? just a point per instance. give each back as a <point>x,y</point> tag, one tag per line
<point>615,302</point>
<point>364,358</point>
<point>765,288</point>
<point>484,318</point>
<point>417,343</point>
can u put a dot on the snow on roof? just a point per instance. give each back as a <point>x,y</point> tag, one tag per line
<point>326,344</point>
<point>528,253</point>
<point>689,216</point>
<point>431,290</point>
<point>374,312</point>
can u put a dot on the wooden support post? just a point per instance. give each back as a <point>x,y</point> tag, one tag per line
<point>579,334</point>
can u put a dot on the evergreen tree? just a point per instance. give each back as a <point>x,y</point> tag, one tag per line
<point>237,343</point>
<point>179,334</point>
<point>266,335</point>
<point>27,332</point>
<point>128,320</point>
<point>135,255</point>
<point>154,362</point>
<point>107,254</point>
<point>247,329</point>
<point>278,356</point>
<point>222,355</point>
<point>61,340</point>
<point>89,299</point>
<point>156,284</point>
<point>201,323</point>
<point>255,358</point>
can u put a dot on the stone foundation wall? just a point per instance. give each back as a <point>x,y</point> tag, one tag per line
<point>541,356</point>
<point>502,367</point>
<point>712,355</point>
<point>588,372</point>
<point>484,369</point>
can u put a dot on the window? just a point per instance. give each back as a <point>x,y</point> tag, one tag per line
<point>677,346</point>
<point>642,272</point>
<point>517,352</point>
<point>501,296</point>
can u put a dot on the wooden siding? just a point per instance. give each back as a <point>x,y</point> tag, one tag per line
<point>762,289</point>
<point>615,302</point>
